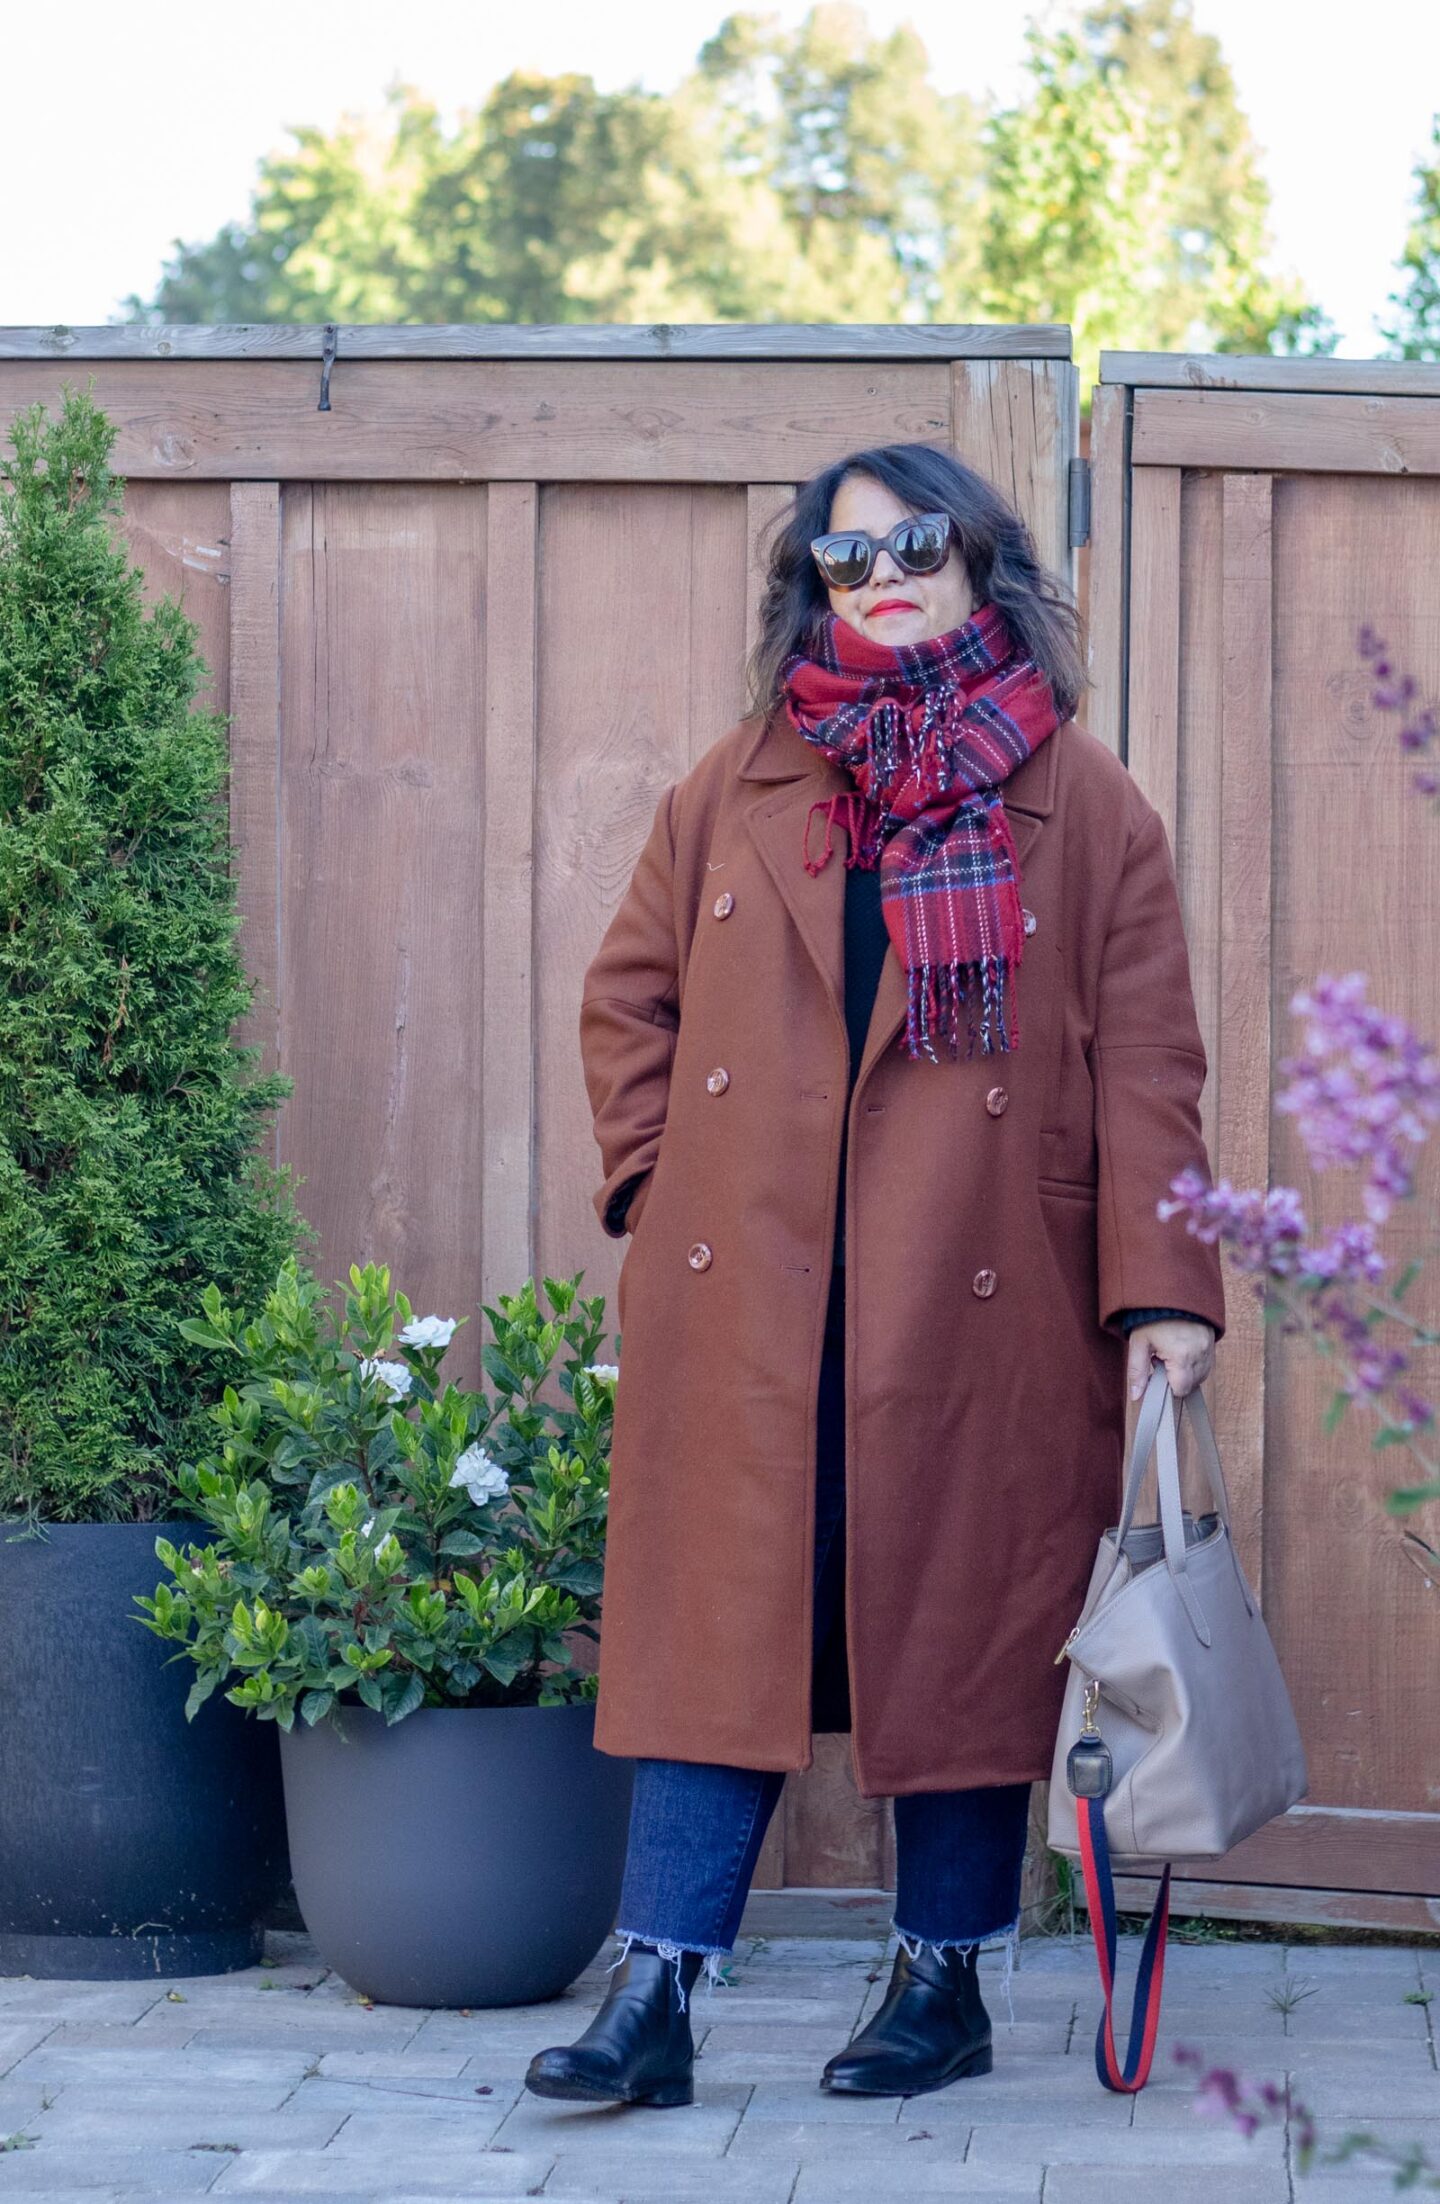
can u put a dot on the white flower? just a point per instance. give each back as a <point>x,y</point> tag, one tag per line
<point>393,1375</point>
<point>367,1526</point>
<point>483,1477</point>
<point>606,1372</point>
<point>429,1331</point>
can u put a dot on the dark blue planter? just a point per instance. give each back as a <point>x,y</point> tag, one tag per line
<point>132,1842</point>
<point>463,1856</point>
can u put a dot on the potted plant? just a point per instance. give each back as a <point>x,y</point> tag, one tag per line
<point>129,1172</point>
<point>414,1571</point>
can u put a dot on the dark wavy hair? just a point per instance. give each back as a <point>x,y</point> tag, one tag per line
<point>989,535</point>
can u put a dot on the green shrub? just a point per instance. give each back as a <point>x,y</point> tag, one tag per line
<point>385,1538</point>
<point>129,1172</point>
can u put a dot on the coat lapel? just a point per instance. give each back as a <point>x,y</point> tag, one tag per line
<point>793,775</point>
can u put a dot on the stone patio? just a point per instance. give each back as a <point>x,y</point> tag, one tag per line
<point>281,2083</point>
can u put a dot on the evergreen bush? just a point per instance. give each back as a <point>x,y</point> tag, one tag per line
<point>130,1177</point>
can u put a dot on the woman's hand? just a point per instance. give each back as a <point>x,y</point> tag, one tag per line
<point>1186,1347</point>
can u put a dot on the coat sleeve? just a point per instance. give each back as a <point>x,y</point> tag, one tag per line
<point>629,1017</point>
<point>1149,1066</point>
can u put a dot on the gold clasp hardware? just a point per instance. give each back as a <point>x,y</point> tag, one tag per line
<point>1088,1723</point>
<point>1066,1646</point>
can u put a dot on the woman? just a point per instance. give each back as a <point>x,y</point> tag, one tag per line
<point>888,1135</point>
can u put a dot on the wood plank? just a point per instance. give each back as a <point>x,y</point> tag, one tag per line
<point>507,1184</point>
<point>701,340</point>
<point>832,1835</point>
<point>1103,709</point>
<point>1018,424</point>
<point>632,588</point>
<point>1361,1848</point>
<point>506,420</point>
<point>1246,747</point>
<point>1153,714</point>
<point>1298,431</point>
<point>253,567</point>
<point>1198,833</point>
<point>1269,371</point>
<point>381,821</point>
<point>1353,1619</point>
<point>764,503</point>
<point>1378,1909</point>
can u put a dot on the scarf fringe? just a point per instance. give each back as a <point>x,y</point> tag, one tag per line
<point>936,996</point>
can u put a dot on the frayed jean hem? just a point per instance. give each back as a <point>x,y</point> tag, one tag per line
<point>913,1945</point>
<point>712,1954</point>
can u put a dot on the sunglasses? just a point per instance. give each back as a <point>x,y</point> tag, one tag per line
<point>920,544</point>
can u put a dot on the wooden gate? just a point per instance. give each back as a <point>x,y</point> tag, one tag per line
<point>472,598</point>
<point>1249,515</point>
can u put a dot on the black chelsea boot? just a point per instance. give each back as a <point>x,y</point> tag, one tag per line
<point>931,2029</point>
<point>638,2049</point>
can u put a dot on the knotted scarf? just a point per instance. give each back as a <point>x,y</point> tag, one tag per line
<point>928,731</point>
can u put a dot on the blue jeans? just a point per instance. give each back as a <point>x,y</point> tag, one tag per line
<point>696,1827</point>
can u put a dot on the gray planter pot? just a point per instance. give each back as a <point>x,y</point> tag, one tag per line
<point>462,1856</point>
<point>132,1842</point>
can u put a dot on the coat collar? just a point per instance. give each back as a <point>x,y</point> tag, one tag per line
<point>777,752</point>
<point>778,755</point>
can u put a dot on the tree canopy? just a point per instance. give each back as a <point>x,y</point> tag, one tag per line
<point>802,173</point>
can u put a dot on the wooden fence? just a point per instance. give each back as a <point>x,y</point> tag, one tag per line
<point>473,597</point>
<point>1249,515</point>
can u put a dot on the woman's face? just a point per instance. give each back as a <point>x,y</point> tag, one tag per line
<point>893,606</point>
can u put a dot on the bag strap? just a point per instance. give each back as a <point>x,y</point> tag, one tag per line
<point>1145,2007</point>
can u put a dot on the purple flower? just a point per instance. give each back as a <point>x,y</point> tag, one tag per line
<point>1362,1084</point>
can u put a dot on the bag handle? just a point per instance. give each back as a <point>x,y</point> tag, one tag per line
<point>1159,1417</point>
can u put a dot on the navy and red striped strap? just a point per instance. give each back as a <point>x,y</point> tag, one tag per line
<point>1145,2010</point>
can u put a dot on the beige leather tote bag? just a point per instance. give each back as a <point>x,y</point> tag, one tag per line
<point>1172,1669</point>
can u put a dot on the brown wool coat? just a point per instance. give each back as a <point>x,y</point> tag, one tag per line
<point>1000,1212</point>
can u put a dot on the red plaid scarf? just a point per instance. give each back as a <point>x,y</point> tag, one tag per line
<point>928,731</point>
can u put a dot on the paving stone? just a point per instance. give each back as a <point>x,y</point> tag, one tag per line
<point>1364,2082</point>
<point>439,2097</point>
<point>906,2176</point>
<point>391,2172</point>
<point>21,2041</point>
<point>1057,2141</point>
<point>179,2098</point>
<point>159,2063</point>
<point>772,2100</point>
<point>657,2173</point>
<point>164,2127</point>
<point>92,2167</point>
<point>1183,2185</point>
<point>541,2124</point>
<point>375,2066</point>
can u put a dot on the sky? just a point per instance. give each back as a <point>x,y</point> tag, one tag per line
<point>145,124</point>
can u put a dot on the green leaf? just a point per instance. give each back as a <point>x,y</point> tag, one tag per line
<point>200,1334</point>
<point>404,1701</point>
<point>1335,1411</point>
<point>505,1660</point>
<point>199,1692</point>
<point>584,1578</point>
<point>459,1544</point>
<point>316,1704</point>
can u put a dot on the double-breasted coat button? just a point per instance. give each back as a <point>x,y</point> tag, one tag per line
<point>724,904</point>
<point>1028,917</point>
<point>718,1080</point>
<point>700,1256</point>
<point>996,1100</point>
<point>983,1283</point>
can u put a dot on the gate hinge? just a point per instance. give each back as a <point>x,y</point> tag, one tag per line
<point>1079,501</point>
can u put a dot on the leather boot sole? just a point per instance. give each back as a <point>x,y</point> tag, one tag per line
<point>980,2060</point>
<point>574,2087</point>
